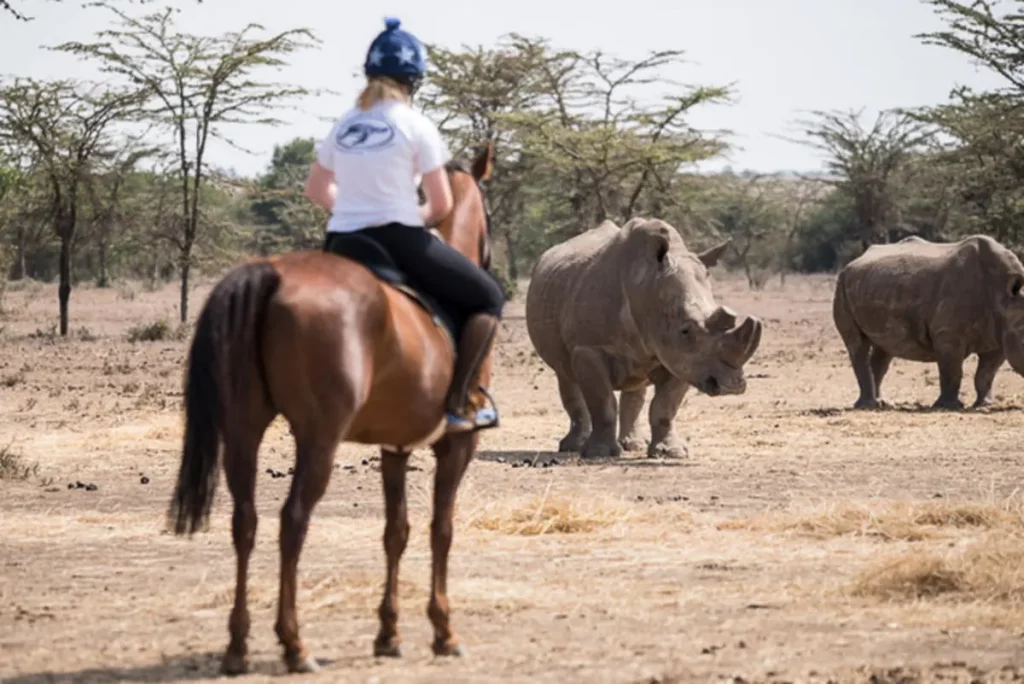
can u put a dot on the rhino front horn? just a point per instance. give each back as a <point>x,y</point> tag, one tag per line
<point>742,342</point>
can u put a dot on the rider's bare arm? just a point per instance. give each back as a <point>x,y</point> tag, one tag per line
<point>439,196</point>
<point>320,186</point>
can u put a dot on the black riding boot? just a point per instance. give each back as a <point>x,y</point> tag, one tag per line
<point>477,336</point>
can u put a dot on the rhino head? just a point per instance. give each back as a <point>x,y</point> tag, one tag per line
<point>1008,288</point>
<point>668,288</point>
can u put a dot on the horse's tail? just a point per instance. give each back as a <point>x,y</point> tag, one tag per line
<point>225,348</point>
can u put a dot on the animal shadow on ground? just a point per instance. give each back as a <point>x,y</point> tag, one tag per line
<point>909,407</point>
<point>179,668</point>
<point>551,459</point>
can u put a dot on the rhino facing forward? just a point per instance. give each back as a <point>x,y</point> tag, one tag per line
<point>620,309</point>
<point>932,302</point>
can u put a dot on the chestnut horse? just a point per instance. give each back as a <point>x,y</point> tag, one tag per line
<point>344,357</point>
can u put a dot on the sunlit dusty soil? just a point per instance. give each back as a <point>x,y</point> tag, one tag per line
<point>800,541</point>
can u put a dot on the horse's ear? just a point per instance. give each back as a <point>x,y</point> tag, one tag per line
<point>483,165</point>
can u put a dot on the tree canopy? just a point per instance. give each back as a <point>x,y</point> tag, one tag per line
<point>112,181</point>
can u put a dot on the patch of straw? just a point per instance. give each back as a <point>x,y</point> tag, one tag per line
<point>13,465</point>
<point>896,521</point>
<point>990,570</point>
<point>560,513</point>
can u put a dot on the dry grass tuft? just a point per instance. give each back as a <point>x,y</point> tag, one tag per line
<point>157,331</point>
<point>896,521</point>
<point>14,467</point>
<point>990,569</point>
<point>562,513</point>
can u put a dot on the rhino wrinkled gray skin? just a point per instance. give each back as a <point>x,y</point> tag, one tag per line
<point>932,302</point>
<point>620,309</point>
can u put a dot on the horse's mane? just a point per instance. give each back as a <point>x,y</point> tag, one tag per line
<point>464,165</point>
<point>459,164</point>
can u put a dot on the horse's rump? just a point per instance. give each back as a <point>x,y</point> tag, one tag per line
<point>370,253</point>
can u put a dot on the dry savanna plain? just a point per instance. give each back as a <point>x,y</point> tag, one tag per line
<point>798,541</point>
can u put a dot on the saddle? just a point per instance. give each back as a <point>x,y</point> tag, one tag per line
<point>371,254</point>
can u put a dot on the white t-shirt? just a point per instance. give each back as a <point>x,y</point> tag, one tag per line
<point>378,157</point>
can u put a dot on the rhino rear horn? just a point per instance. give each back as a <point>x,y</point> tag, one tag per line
<point>723,319</point>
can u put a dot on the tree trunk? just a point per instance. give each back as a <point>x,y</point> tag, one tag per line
<point>510,256</point>
<point>19,264</point>
<point>64,291</point>
<point>185,269</point>
<point>102,280</point>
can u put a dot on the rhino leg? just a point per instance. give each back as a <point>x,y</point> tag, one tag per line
<point>880,362</point>
<point>951,374</point>
<point>860,357</point>
<point>591,366</point>
<point>631,403</point>
<point>669,392</point>
<point>858,346</point>
<point>579,416</point>
<point>988,366</point>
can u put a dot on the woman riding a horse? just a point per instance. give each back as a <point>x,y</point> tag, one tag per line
<point>345,355</point>
<point>365,174</point>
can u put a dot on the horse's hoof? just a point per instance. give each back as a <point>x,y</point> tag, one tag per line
<point>234,664</point>
<point>307,665</point>
<point>387,649</point>
<point>450,649</point>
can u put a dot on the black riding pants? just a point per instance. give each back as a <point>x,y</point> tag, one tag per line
<point>439,269</point>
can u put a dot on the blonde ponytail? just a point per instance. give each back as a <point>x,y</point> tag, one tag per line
<point>379,89</point>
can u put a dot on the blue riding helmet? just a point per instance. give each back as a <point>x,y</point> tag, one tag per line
<point>396,54</point>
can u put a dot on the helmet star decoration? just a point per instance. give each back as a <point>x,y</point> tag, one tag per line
<point>376,56</point>
<point>407,55</point>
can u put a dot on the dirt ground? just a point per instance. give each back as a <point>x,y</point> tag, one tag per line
<point>799,541</point>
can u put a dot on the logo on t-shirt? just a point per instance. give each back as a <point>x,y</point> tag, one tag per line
<point>366,134</point>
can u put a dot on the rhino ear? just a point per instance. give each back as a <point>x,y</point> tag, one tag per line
<point>1016,284</point>
<point>661,248</point>
<point>710,257</point>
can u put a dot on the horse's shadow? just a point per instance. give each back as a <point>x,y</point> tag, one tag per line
<point>179,668</point>
<point>552,459</point>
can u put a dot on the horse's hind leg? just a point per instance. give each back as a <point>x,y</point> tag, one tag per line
<point>396,536</point>
<point>314,460</point>
<point>240,472</point>
<point>453,455</point>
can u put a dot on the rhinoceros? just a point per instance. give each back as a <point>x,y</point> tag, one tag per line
<point>931,302</point>
<point>623,308</point>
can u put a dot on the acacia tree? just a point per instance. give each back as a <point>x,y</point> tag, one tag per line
<point>472,93</point>
<point>7,8</point>
<point>579,136</point>
<point>195,87</point>
<point>865,164</point>
<point>65,128</point>
<point>106,190</point>
<point>800,195</point>
<point>287,219</point>
<point>983,132</point>
<point>749,210</point>
<point>611,147</point>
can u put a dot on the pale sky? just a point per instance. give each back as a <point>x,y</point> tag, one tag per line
<point>785,57</point>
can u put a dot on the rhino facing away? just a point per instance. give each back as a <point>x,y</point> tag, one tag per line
<point>932,302</point>
<point>620,309</point>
